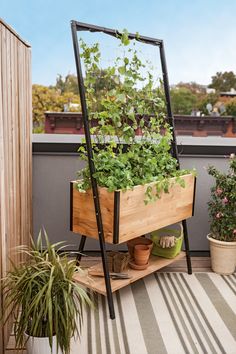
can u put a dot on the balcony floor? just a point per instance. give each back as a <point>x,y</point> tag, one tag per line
<point>169,312</point>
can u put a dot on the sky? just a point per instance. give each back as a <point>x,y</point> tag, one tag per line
<point>199,35</point>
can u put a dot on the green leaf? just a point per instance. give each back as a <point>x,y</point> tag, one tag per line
<point>126,61</point>
<point>122,70</point>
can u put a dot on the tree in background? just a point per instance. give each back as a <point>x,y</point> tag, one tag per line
<point>202,103</point>
<point>185,96</point>
<point>231,107</point>
<point>65,91</point>
<point>48,99</point>
<point>223,81</point>
<point>192,86</point>
<point>183,100</point>
<point>67,84</point>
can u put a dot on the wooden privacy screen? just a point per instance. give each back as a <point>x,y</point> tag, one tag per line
<point>15,152</point>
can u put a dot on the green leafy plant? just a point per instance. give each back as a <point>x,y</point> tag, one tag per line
<point>222,206</point>
<point>130,124</point>
<point>43,296</point>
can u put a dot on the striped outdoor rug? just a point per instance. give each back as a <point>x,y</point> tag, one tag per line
<point>165,313</point>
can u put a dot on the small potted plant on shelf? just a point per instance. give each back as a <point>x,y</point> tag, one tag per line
<point>47,303</point>
<point>138,178</point>
<point>222,211</point>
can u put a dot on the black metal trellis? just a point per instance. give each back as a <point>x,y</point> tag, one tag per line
<point>79,26</point>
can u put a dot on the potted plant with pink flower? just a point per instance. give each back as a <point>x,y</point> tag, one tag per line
<point>222,211</point>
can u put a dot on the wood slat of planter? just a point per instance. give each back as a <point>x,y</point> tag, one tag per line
<point>83,213</point>
<point>135,218</point>
<point>98,284</point>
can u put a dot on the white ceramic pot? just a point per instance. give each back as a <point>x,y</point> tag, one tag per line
<point>223,256</point>
<point>40,345</point>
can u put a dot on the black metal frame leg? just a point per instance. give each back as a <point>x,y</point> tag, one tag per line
<point>107,279</point>
<point>74,27</point>
<point>186,242</point>
<point>174,144</point>
<point>105,269</point>
<point>81,248</point>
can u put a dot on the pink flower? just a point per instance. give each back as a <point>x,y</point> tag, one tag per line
<point>218,215</point>
<point>234,232</point>
<point>219,191</point>
<point>225,200</point>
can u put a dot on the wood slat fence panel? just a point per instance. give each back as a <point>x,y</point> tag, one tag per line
<point>15,153</point>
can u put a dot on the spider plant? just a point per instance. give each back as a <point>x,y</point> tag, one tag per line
<point>44,298</point>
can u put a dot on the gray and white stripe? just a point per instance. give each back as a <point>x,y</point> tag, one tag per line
<point>165,313</point>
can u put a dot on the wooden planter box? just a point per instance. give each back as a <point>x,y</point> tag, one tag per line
<point>124,213</point>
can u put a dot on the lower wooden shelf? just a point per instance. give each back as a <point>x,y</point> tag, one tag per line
<point>98,283</point>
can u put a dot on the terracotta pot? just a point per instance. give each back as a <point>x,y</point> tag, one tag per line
<point>141,254</point>
<point>138,241</point>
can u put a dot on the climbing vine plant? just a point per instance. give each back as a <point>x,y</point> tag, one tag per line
<point>129,121</point>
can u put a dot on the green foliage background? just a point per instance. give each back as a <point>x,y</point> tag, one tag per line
<point>185,97</point>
